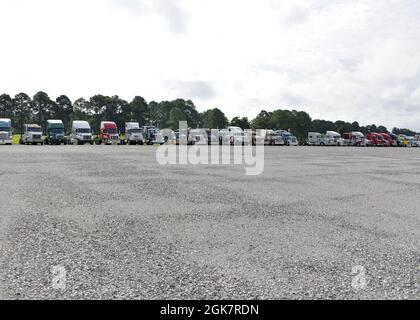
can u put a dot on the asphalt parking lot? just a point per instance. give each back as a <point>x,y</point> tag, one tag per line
<point>123,227</point>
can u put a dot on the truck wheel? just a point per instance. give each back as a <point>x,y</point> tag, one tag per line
<point>322,144</point>
<point>287,143</point>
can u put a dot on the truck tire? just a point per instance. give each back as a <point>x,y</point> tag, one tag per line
<point>287,143</point>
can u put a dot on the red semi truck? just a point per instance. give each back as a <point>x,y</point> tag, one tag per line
<point>108,133</point>
<point>388,139</point>
<point>376,139</point>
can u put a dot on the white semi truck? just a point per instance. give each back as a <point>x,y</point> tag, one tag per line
<point>331,138</point>
<point>81,133</point>
<point>6,131</point>
<point>32,134</point>
<point>233,136</point>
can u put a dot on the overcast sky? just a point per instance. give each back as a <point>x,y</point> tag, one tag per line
<point>335,59</point>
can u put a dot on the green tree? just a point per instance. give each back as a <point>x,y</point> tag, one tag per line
<point>382,129</point>
<point>343,126</point>
<point>6,106</point>
<point>139,110</point>
<point>42,107</point>
<point>262,121</point>
<point>406,132</point>
<point>63,110</point>
<point>214,119</point>
<point>322,126</point>
<point>82,110</point>
<point>242,123</point>
<point>175,116</point>
<point>22,105</point>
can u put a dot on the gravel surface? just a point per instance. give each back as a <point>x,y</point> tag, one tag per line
<point>124,227</point>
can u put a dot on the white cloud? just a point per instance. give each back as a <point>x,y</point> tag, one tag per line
<point>350,60</point>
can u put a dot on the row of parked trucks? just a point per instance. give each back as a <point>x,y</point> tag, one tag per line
<point>359,139</point>
<point>81,133</point>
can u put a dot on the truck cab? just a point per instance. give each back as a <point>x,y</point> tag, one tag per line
<point>32,134</point>
<point>199,136</point>
<point>376,139</point>
<point>150,134</point>
<point>388,139</point>
<point>288,137</point>
<point>233,136</point>
<point>334,138</point>
<point>133,133</point>
<point>6,131</point>
<point>55,132</point>
<point>316,139</point>
<point>355,138</point>
<point>81,133</point>
<point>108,133</point>
<point>271,138</point>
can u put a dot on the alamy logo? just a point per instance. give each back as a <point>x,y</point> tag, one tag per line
<point>224,147</point>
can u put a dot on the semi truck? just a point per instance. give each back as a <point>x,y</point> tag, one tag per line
<point>152,135</point>
<point>355,138</point>
<point>271,138</point>
<point>55,132</point>
<point>388,139</point>
<point>6,131</point>
<point>288,138</point>
<point>376,139</point>
<point>32,134</point>
<point>133,134</point>
<point>108,133</point>
<point>81,133</point>
<point>233,136</point>
<point>331,138</point>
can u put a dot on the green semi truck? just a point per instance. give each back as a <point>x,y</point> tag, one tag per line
<point>55,132</point>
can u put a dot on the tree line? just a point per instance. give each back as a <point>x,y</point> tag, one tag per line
<point>166,114</point>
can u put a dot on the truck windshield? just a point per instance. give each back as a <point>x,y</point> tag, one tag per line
<point>134,131</point>
<point>110,130</point>
<point>83,130</point>
<point>32,129</point>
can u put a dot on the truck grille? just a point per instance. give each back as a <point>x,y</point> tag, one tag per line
<point>87,138</point>
<point>36,137</point>
<point>4,136</point>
